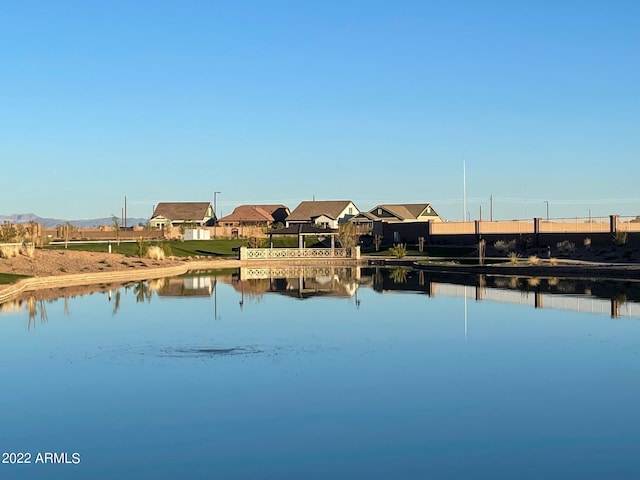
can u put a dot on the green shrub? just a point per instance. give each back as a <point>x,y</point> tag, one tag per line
<point>399,250</point>
<point>399,275</point>
<point>504,246</point>
<point>256,242</point>
<point>620,238</point>
<point>141,247</point>
<point>566,247</point>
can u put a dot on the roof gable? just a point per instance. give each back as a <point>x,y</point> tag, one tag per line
<point>363,216</point>
<point>257,213</point>
<point>405,211</point>
<point>311,209</point>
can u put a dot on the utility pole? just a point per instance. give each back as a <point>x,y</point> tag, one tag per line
<point>547,202</point>
<point>215,215</point>
<point>491,208</point>
<point>464,190</point>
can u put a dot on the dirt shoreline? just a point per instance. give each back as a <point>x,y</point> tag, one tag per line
<point>67,268</point>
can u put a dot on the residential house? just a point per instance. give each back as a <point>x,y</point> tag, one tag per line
<point>363,222</point>
<point>255,215</point>
<point>405,212</point>
<point>397,222</point>
<point>323,213</point>
<point>175,214</point>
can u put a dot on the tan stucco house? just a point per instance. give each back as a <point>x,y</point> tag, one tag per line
<point>255,216</point>
<point>175,214</point>
<point>323,213</point>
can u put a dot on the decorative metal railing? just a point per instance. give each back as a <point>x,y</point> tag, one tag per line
<point>288,253</point>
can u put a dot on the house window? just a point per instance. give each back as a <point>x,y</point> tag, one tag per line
<point>428,209</point>
<point>379,211</point>
<point>350,210</point>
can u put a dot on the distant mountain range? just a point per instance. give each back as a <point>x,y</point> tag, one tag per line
<point>52,222</point>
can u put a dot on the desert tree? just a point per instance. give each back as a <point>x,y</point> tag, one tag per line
<point>115,221</point>
<point>347,235</point>
<point>8,232</point>
<point>67,230</point>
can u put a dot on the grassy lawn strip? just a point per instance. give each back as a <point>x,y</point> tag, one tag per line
<point>7,278</point>
<point>188,248</point>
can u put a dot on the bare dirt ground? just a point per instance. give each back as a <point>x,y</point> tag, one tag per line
<point>61,262</point>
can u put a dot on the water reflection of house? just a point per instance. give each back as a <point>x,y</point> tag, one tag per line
<point>300,282</point>
<point>400,279</point>
<point>192,286</point>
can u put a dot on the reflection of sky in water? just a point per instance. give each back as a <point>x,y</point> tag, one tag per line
<point>320,388</point>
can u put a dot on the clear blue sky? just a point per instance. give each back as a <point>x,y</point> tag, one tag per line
<point>274,102</point>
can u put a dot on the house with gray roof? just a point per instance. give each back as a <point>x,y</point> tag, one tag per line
<point>323,213</point>
<point>398,222</point>
<point>174,214</point>
<point>405,212</point>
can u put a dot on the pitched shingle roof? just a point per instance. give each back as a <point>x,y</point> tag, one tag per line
<point>182,210</point>
<point>278,212</point>
<point>311,209</point>
<point>248,213</point>
<point>367,215</point>
<point>257,213</point>
<point>403,210</point>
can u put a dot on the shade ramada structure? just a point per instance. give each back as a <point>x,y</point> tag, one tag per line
<point>305,230</point>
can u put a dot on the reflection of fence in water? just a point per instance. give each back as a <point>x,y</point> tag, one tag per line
<point>580,304</point>
<point>336,280</point>
<point>248,273</point>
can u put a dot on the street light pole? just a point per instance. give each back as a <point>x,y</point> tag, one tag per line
<point>547,202</point>
<point>215,214</point>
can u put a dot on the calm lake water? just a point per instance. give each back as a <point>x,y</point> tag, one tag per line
<point>329,373</point>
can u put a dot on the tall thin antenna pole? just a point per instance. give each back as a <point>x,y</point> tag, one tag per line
<point>464,190</point>
<point>125,211</point>
<point>491,208</point>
